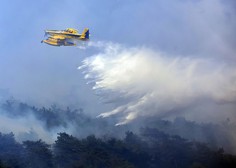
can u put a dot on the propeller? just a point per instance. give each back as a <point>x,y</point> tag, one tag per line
<point>45,34</point>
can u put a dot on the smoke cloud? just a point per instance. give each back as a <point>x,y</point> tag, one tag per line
<point>140,81</point>
<point>27,128</point>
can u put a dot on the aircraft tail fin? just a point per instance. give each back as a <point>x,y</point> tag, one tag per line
<point>85,33</point>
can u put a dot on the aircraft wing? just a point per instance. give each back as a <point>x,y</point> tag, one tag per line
<point>59,33</point>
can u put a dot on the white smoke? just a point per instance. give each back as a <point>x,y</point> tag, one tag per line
<point>27,128</point>
<point>139,81</point>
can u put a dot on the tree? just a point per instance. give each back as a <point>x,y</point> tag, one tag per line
<point>38,154</point>
<point>11,152</point>
<point>66,150</point>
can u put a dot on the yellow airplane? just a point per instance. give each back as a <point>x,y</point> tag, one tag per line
<point>65,37</point>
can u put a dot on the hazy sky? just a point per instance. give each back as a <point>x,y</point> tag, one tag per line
<point>42,74</point>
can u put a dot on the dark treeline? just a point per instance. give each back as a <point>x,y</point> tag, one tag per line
<point>151,149</point>
<point>159,143</point>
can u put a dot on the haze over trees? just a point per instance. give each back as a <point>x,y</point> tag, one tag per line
<point>158,144</point>
<point>151,149</point>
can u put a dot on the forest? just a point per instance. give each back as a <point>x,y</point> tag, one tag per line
<point>154,145</point>
<point>152,149</point>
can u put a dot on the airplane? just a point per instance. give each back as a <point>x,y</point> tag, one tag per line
<point>65,37</point>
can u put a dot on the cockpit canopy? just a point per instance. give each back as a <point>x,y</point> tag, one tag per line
<point>70,30</point>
